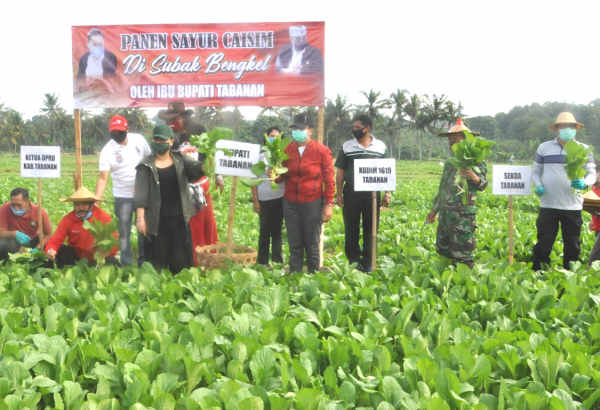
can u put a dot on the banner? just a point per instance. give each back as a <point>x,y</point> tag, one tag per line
<point>260,64</point>
<point>239,159</point>
<point>40,162</point>
<point>375,174</point>
<point>511,180</point>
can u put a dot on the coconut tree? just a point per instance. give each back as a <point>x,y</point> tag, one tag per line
<point>374,104</point>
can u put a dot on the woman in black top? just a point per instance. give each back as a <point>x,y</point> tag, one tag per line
<point>163,203</point>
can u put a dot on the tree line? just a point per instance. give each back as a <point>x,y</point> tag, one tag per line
<point>408,123</point>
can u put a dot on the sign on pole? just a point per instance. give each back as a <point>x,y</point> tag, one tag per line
<point>40,162</point>
<point>242,157</point>
<point>511,180</point>
<point>377,174</point>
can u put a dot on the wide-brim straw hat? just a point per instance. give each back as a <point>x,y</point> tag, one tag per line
<point>566,118</point>
<point>174,109</point>
<point>457,128</point>
<point>82,195</point>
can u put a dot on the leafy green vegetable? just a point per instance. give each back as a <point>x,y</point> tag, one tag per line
<point>469,153</point>
<point>576,157</point>
<point>207,145</point>
<point>274,152</point>
<point>104,237</point>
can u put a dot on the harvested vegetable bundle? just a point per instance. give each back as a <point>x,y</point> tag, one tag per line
<point>104,237</point>
<point>274,152</point>
<point>576,158</point>
<point>207,145</point>
<point>468,153</point>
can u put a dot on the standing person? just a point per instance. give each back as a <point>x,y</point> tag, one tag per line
<point>595,224</point>
<point>164,204</point>
<point>309,194</point>
<point>19,224</point>
<point>80,242</point>
<point>268,204</point>
<point>559,201</point>
<point>357,204</point>
<point>121,155</point>
<point>455,238</point>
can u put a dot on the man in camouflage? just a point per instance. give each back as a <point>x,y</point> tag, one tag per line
<point>455,237</point>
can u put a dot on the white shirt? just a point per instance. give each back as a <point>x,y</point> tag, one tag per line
<point>94,66</point>
<point>121,161</point>
<point>265,191</point>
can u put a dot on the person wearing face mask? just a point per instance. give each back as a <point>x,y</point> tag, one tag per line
<point>357,204</point>
<point>164,204</point>
<point>268,204</point>
<point>455,236</point>
<point>119,157</point>
<point>560,199</point>
<point>309,194</point>
<point>80,242</point>
<point>19,224</point>
<point>97,62</point>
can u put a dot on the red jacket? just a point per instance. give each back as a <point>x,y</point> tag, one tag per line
<point>311,176</point>
<point>595,226</point>
<point>71,227</point>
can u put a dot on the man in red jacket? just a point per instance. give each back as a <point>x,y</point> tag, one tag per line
<point>80,242</point>
<point>309,193</point>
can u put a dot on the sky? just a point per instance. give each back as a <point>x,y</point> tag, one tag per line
<point>489,55</point>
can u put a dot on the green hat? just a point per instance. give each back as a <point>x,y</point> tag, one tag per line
<point>162,131</point>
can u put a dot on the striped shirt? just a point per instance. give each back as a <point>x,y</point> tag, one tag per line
<point>549,172</point>
<point>352,150</point>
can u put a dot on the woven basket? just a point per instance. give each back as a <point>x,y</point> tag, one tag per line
<point>213,256</point>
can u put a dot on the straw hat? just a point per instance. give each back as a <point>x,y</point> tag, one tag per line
<point>82,195</point>
<point>174,110</point>
<point>566,118</point>
<point>457,128</point>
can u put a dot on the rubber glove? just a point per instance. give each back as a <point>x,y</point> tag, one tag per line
<point>539,191</point>
<point>578,184</point>
<point>22,238</point>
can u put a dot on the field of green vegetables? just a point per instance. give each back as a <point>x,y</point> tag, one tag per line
<point>414,334</point>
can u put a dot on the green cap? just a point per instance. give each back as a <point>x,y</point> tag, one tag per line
<point>162,131</point>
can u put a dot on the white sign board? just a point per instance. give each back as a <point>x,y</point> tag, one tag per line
<point>511,180</point>
<point>40,162</point>
<point>243,157</point>
<point>375,174</point>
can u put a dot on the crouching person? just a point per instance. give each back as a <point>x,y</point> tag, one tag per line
<point>80,242</point>
<point>19,224</point>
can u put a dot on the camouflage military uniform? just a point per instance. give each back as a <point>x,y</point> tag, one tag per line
<point>456,225</point>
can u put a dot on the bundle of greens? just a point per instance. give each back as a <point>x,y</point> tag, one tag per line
<point>274,156</point>
<point>104,237</point>
<point>575,160</point>
<point>469,153</point>
<point>207,145</point>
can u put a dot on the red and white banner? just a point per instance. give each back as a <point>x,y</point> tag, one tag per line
<point>260,64</point>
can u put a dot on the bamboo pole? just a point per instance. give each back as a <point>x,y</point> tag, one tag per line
<point>78,163</point>
<point>373,230</point>
<point>511,236</point>
<point>320,132</point>
<point>229,248</point>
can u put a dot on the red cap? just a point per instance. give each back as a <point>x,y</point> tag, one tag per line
<point>118,123</point>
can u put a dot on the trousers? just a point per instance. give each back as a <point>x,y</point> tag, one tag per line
<point>303,225</point>
<point>359,205</point>
<point>271,219</point>
<point>547,224</point>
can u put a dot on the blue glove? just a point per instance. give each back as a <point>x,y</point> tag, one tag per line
<point>578,184</point>
<point>539,191</point>
<point>22,238</point>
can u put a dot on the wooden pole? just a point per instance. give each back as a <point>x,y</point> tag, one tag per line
<point>511,236</point>
<point>230,219</point>
<point>320,132</point>
<point>39,215</point>
<point>374,230</point>
<point>78,163</point>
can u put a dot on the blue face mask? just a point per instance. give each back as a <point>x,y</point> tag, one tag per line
<point>97,51</point>
<point>270,139</point>
<point>18,212</point>
<point>87,216</point>
<point>567,134</point>
<point>299,135</point>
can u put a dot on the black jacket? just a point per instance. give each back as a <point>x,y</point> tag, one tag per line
<point>147,188</point>
<point>109,64</point>
<point>312,59</point>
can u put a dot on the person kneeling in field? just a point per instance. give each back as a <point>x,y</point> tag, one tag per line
<point>19,224</point>
<point>455,237</point>
<point>80,242</point>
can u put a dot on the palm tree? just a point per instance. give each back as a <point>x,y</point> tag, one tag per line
<point>54,113</point>
<point>337,117</point>
<point>374,104</point>
<point>419,118</point>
